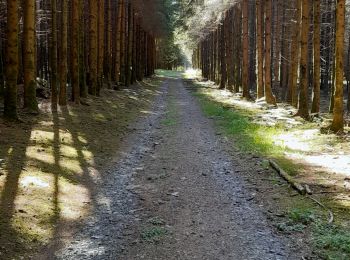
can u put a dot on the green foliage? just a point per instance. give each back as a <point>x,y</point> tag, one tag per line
<point>169,74</point>
<point>169,53</point>
<point>302,215</point>
<point>332,241</point>
<point>298,220</point>
<point>251,137</point>
<point>153,234</point>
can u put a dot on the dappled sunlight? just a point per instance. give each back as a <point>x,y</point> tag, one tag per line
<point>293,137</point>
<point>99,117</point>
<point>170,74</point>
<point>148,112</point>
<point>49,166</point>
<point>44,155</point>
<point>192,73</point>
<point>28,181</point>
<point>299,140</point>
<point>333,163</point>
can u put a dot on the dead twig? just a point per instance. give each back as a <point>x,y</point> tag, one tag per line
<point>301,189</point>
<point>330,213</point>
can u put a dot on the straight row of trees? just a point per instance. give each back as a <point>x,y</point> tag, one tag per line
<point>290,50</point>
<point>77,46</point>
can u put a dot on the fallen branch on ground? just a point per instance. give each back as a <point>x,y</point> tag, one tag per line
<point>301,189</point>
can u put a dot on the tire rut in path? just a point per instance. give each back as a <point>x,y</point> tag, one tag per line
<point>193,202</point>
<point>175,193</point>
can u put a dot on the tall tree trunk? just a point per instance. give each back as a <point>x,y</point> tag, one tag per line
<point>292,96</point>
<point>338,113</point>
<point>223,71</point>
<point>279,23</point>
<point>101,42</point>
<point>53,56</point>
<point>119,39</point>
<point>229,59</point>
<point>63,56</point>
<point>108,50</point>
<point>129,45</point>
<point>260,47</point>
<point>75,52</point>
<point>303,107</point>
<point>81,86</point>
<point>245,60</point>
<point>29,43</point>
<point>123,44</point>
<point>10,109</point>
<point>237,47</point>
<point>317,59</point>
<point>270,99</point>
<point>93,53</point>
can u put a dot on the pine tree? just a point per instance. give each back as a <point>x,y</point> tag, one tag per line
<point>303,106</point>
<point>10,109</point>
<point>93,52</point>
<point>75,52</point>
<point>245,58</point>
<point>338,113</point>
<point>317,59</point>
<point>270,99</point>
<point>53,55</point>
<point>259,52</point>
<point>64,54</point>
<point>29,67</point>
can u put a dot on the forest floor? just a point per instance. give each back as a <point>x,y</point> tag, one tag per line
<point>166,171</point>
<point>180,190</point>
<point>50,165</point>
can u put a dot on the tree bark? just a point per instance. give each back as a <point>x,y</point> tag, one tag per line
<point>245,59</point>
<point>303,107</point>
<point>53,58</point>
<point>292,96</point>
<point>63,56</point>
<point>29,45</point>
<point>10,103</point>
<point>223,71</point>
<point>76,92</point>
<point>101,42</point>
<point>129,45</point>
<point>260,47</point>
<point>93,53</point>
<point>229,54</point>
<point>338,113</point>
<point>270,98</point>
<point>317,59</point>
<point>82,52</point>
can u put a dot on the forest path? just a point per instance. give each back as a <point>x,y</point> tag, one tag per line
<point>177,193</point>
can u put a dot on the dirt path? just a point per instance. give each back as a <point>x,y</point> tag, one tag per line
<point>177,193</point>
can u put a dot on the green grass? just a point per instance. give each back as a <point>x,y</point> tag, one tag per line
<point>248,136</point>
<point>170,74</point>
<point>153,234</point>
<point>171,115</point>
<point>332,241</point>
